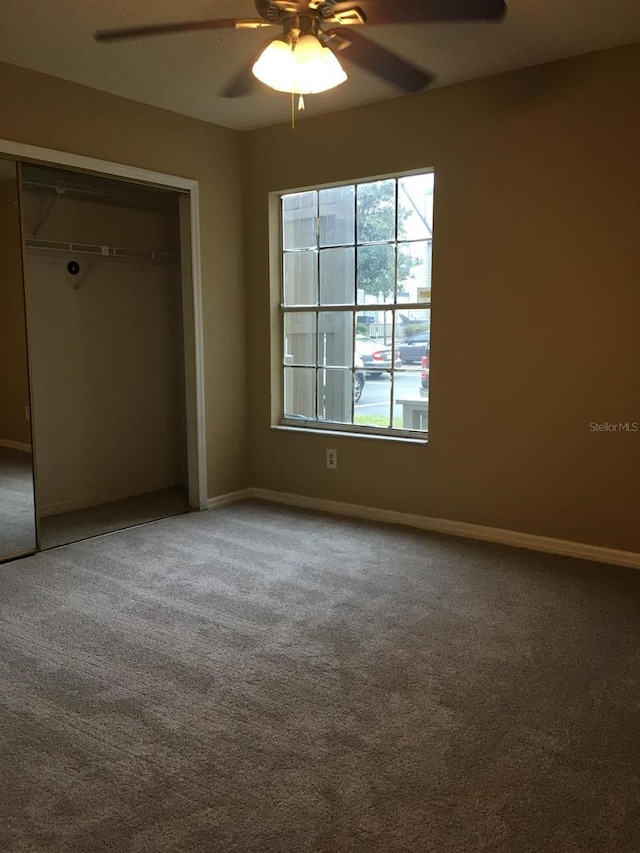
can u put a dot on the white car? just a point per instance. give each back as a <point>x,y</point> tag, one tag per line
<point>376,357</point>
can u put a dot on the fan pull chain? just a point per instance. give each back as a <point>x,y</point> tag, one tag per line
<point>301,107</point>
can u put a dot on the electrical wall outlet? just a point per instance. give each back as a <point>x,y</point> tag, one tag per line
<point>332,458</point>
<point>27,413</point>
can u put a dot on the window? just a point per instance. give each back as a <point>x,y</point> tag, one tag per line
<point>355,306</point>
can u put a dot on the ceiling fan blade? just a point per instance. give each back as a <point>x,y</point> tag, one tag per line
<point>244,81</point>
<point>182,27</point>
<point>373,57</point>
<point>240,84</point>
<point>423,11</point>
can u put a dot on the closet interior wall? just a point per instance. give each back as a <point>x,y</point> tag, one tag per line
<point>104,305</point>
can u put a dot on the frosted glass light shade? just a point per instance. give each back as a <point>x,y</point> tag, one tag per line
<point>307,69</point>
<point>274,66</point>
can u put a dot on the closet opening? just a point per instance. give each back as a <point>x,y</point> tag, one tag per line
<point>109,322</point>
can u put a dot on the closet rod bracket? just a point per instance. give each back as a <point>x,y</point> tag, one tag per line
<point>45,214</point>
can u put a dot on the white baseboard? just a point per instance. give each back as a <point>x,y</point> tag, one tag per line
<point>15,445</point>
<point>229,498</point>
<point>97,500</point>
<point>631,559</point>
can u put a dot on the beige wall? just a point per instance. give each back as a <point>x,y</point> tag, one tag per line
<point>536,300</point>
<point>14,381</point>
<point>52,113</point>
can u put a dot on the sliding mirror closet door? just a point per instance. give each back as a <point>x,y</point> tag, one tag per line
<point>105,321</point>
<point>17,510</point>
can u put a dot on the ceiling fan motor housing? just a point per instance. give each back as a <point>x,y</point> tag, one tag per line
<point>269,11</point>
<point>276,12</point>
<point>325,8</point>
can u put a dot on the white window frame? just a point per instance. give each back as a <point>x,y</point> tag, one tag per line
<point>280,310</point>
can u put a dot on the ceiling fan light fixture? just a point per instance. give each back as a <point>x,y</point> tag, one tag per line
<point>304,69</point>
<point>317,67</point>
<point>274,66</point>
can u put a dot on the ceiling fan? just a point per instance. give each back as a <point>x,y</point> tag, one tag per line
<point>302,58</point>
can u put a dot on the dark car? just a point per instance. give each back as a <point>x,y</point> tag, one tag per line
<point>412,348</point>
<point>375,356</point>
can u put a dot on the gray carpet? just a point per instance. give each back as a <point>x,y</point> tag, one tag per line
<point>68,527</point>
<point>17,513</point>
<point>259,678</point>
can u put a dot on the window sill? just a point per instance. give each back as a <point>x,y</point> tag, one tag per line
<point>368,436</point>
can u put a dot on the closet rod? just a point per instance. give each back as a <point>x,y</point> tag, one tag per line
<point>101,251</point>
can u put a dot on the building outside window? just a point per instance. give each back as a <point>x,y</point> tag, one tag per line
<point>355,306</point>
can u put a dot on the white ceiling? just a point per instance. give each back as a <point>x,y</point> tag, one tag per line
<point>183,72</point>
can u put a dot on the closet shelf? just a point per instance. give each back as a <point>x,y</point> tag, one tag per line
<point>101,251</point>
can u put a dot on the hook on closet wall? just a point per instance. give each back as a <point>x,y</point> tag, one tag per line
<point>74,269</point>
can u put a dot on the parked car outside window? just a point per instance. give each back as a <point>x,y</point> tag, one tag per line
<point>424,375</point>
<point>375,356</point>
<point>412,348</point>
<point>359,379</point>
